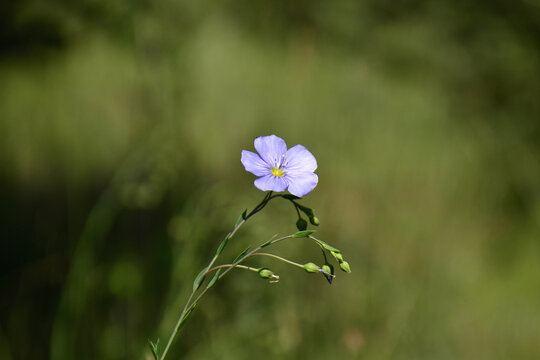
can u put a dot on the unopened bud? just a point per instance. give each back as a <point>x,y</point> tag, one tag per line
<point>311,267</point>
<point>301,224</point>
<point>268,274</point>
<point>327,269</point>
<point>328,272</point>
<point>306,210</point>
<point>314,220</point>
<point>337,256</point>
<point>345,266</point>
<point>265,273</point>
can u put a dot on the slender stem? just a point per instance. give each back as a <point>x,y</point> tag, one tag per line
<point>189,304</point>
<point>324,255</point>
<point>297,211</point>
<point>232,266</point>
<point>239,266</point>
<point>229,267</point>
<point>253,252</point>
<point>280,258</point>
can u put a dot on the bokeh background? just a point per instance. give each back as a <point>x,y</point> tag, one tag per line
<point>121,126</point>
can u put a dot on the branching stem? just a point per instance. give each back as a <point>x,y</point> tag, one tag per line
<point>191,304</point>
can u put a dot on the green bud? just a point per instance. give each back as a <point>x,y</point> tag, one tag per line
<point>301,224</point>
<point>307,211</point>
<point>328,272</point>
<point>345,266</point>
<point>337,256</point>
<point>268,274</point>
<point>328,269</point>
<point>314,220</point>
<point>311,267</point>
<point>265,273</point>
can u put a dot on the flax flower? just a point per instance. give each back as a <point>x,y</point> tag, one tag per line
<point>280,169</point>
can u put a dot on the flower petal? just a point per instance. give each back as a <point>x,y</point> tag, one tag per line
<point>300,159</point>
<point>271,182</point>
<point>271,149</point>
<point>301,183</point>
<point>254,164</point>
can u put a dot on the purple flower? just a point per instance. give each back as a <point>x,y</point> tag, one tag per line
<point>280,169</point>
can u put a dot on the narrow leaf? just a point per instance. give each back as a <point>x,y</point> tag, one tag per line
<point>269,241</point>
<point>241,255</point>
<point>241,218</point>
<point>223,244</point>
<point>185,318</point>
<point>327,246</point>
<point>199,279</point>
<point>302,234</point>
<point>214,279</point>
<point>154,347</point>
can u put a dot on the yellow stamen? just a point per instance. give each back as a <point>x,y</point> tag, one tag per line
<point>278,172</point>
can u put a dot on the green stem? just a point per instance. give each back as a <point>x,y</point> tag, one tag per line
<point>189,305</point>
<point>280,258</point>
<point>229,268</point>
<point>239,266</point>
<point>296,208</point>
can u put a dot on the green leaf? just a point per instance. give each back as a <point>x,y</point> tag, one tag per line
<point>199,279</point>
<point>327,246</point>
<point>214,279</point>
<point>269,241</point>
<point>185,318</point>
<point>154,347</point>
<point>223,244</point>
<point>303,234</point>
<point>241,218</point>
<point>241,255</point>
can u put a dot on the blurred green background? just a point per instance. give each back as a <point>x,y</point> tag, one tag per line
<point>121,126</point>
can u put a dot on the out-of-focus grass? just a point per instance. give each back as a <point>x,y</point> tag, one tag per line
<point>121,171</point>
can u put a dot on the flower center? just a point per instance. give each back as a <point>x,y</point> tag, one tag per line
<point>278,172</point>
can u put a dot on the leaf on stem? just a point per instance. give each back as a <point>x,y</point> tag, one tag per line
<point>199,279</point>
<point>214,279</point>
<point>186,317</point>
<point>242,254</point>
<point>269,241</point>
<point>303,234</point>
<point>154,346</point>
<point>223,244</point>
<point>241,218</point>
<point>326,246</point>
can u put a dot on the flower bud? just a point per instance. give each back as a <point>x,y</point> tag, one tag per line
<point>268,274</point>
<point>327,269</point>
<point>337,256</point>
<point>328,272</point>
<point>265,273</point>
<point>311,267</point>
<point>301,224</point>
<point>306,210</point>
<point>314,220</point>
<point>345,266</point>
